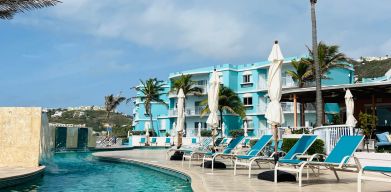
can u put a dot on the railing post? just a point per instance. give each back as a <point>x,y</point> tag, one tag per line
<point>328,142</point>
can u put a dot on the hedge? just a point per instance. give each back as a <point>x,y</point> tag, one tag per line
<point>236,133</point>
<point>317,146</point>
<point>142,133</point>
<point>206,133</point>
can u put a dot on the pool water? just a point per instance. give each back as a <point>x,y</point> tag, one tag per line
<point>81,172</point>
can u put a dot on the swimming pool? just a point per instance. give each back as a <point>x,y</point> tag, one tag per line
<point>81,172</point>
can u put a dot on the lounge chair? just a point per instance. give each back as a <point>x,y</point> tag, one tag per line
<point>167,142</point>
<point>386,171</point>
<point>202,146</point>
<point>255,151</point>
<point>337,160</point>
<point>193,140</point>
<point>224,143</point>
<point>142,141</point>
<point>210,156</point>
<point>300,147</point>
<point>153,141</point>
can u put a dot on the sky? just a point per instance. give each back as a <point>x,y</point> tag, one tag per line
<point>77,52</point>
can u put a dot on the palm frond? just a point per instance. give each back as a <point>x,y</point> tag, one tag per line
<point>8,8</point>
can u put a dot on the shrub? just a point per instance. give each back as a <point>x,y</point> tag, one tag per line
<point>300,131</point>
<point>168,134</point>
<point>143,133</point>
<point>236,133</point>
<point>206,133</point>
<point>367,122</point>
<point>317,146</point>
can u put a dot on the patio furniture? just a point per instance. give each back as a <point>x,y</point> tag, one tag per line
<point>300,147</point>
<point>210,156</point>
<point>142,141</point>
<point>337,160</point>
<point>386,171</point>
<point>167,142</point>
<point>153,141</point>
<point>383,140</point>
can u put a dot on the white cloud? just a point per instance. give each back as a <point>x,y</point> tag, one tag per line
<point>226,30</point>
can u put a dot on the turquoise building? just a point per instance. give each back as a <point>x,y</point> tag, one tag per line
<point>249,81</point>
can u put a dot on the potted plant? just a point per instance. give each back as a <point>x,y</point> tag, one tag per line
<point>367,123</point>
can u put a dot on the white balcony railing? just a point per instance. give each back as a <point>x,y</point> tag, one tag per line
<point>331,134</point>
<point>288,82</point>
<point>191,111</point>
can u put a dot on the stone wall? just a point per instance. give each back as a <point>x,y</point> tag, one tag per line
<point>20,133</point>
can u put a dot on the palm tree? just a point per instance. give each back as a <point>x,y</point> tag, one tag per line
<point>229,102</point>
<point>151,89</point>
<point>111,103</point>
<point>329,57</point>
<point>300,74</point>
<point>188,86</point>
<point>319,102</point>
<point>8,8</point>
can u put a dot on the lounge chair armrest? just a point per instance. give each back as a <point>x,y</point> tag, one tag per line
<point>342,163</point>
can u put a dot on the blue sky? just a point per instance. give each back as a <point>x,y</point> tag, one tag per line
<point>81,50</point>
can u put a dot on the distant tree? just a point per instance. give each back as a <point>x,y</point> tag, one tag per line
<point>111,103</point>
<point>151,90</point>
<point>329,58</point>
<point>8,8</point>
<point>188,86</point>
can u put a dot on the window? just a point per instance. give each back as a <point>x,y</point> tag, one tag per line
<point>247,78</point>
<point>203,125</point>
<point>248,101</point>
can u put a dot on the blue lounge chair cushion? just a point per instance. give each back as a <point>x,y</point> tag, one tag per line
<point>168,140</point>
<point>377,169</point>
<point>193,140</point>
<point>259,145</point>
<point>346,146</point>
<point>142,140</point>
<point>301,146</point>
<point>381,144</point>
<point>290,161</point>
<point>383,137</point>
<point>153,140</point>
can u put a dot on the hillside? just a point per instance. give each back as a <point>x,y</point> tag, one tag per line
<point>369,69</point>
<point>93,119</point>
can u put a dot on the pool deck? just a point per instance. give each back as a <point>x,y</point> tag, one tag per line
<point>10,176</point>
<point>223,180</point>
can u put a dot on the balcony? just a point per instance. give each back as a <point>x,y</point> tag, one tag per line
<point>191,111</point>
<point>287,107</point>
<point>288,82</point>
<point>203,87</point>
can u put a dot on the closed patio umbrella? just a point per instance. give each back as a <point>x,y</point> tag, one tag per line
<point>180,121</point>
<point>274,113</point>
<point>350,120</point>
<point>213,103</point>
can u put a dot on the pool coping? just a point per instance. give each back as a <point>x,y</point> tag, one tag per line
<point>20,178</point>
<point>150,165</point>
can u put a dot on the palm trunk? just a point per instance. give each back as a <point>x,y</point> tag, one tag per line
<point>319,103</point>
<point>108,122</point>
